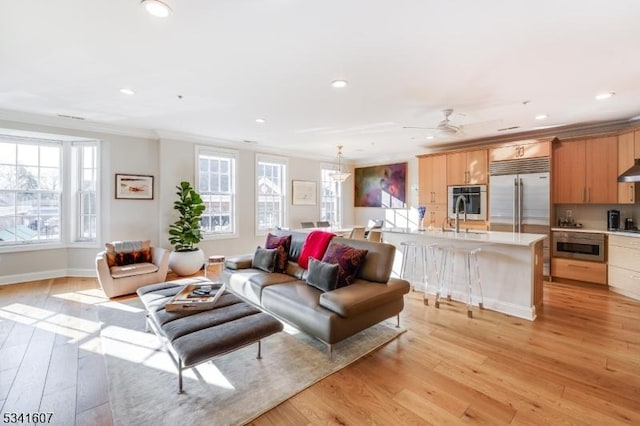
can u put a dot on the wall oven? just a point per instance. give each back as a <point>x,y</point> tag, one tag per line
<point>579,245</point>
<point>476,201</point>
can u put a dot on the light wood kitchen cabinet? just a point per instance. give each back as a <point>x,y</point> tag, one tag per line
<point>580,270</point>
<point>432,174</point>
<point>467,167</point>
<point>533,149</point>
<point>624,265</point>
<point>628,146</point>
<point>586,171</point>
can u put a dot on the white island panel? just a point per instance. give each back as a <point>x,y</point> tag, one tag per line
<point>510,266</point>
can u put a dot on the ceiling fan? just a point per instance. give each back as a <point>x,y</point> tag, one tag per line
<point>444,127</point>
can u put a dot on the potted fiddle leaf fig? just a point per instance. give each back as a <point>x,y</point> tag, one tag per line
<point>185,233</point>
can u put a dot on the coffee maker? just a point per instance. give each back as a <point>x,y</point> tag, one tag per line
<point>613,220</point>
<point>628,224</point>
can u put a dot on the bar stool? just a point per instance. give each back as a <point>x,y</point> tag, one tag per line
<point>426,255</point>
<point>216,263</point>
<point>414,250</point>
<point>450,254</point>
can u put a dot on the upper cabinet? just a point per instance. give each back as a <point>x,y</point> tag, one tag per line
<point>467,167</point>
<point>628,151</point>
<point>433,179</point>
<point>532,149</point>
<point>586,171</point>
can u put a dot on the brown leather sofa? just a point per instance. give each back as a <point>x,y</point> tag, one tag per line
<point>329,316</point>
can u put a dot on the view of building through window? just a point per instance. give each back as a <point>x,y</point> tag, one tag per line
<point>216,178</point>
<point>33,191</point>
<point>271,190</point>
<point>330,194</point>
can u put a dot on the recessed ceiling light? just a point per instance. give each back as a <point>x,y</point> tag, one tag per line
<point>260,120</point>
<point>607,95</point>
<point>126,91</point>
<point>430,137</point>
<point>157,8</point>
<point>541,116</point>
<point>339,84</point>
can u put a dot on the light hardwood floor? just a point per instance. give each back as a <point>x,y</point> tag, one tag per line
<point>578,363</point>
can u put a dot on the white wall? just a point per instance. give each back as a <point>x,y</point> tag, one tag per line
<point>120,219</point>
<point>169,161</point>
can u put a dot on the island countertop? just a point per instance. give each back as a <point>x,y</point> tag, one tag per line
<point>490,237</point>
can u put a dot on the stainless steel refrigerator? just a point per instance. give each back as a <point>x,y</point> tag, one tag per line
<point>519,199</point>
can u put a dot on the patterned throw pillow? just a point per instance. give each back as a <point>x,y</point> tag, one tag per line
<point>348,259</point>
<point>282,245</point>
<point>134,251</point>
<point>138,256</point>
<point>323,276</point>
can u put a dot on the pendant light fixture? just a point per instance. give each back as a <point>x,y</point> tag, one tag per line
<point>340,176</point>
<point>157,8</point>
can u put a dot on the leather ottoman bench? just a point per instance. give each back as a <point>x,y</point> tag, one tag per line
<point>198,336</point>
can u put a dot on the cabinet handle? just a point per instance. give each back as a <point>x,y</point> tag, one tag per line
<point>631,192</point>
<point>588,194</point>
<point>571,265</point>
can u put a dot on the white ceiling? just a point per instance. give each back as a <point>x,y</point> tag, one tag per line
<point>233,61</point>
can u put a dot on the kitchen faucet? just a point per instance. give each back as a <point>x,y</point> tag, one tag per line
<point>464,204</point>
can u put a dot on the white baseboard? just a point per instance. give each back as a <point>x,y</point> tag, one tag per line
<point>46,275</point>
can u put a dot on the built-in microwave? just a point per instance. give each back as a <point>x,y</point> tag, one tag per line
<point>475,201</point>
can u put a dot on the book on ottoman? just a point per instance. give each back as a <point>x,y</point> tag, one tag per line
<point>196,297</point>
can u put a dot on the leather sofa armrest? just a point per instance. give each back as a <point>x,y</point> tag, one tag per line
<point>362,296</point>
<point>239,262</point>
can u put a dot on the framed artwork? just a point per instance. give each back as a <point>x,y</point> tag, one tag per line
<point>304,193</point>
<point>134,187</point>
<point>381,186</point>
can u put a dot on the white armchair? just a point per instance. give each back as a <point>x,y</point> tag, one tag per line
<point>121,269</point>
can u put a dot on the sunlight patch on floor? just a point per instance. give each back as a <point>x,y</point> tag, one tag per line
<point>88,297</point>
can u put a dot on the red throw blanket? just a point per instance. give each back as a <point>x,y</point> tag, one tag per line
<point>314,246</point>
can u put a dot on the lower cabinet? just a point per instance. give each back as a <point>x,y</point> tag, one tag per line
<point>579,270</point>
<point>624,265</point>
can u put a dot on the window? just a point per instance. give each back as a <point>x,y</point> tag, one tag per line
<point>35,191</point>
<point>330,195</point>
<point>85,188</point>
<point>216,183</point>
<point>271,192</point>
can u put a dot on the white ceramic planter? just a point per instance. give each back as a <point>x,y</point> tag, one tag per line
<point>186,263</point>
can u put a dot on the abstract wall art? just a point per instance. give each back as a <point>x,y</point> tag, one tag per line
<point>381,186</point>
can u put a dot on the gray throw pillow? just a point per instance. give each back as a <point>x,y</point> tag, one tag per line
<point>264,259</point>
<point>321,275</point>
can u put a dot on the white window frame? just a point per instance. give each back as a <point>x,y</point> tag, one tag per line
<point>325,179</point>
<point>234,156</point>
<point>284,163</point>
<point>77,192</point>
<point>69,216</point>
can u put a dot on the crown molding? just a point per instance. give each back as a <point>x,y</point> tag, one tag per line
<point>562,131</point>
<point>74,124</point>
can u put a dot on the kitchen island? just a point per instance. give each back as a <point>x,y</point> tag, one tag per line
<point>511,266</point>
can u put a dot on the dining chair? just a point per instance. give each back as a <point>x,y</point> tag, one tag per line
<point>375,235</point>
<point>357,233</point>
<point>323,224</point>
<point>307,225</point>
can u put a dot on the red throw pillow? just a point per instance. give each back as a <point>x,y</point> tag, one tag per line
<point>314,245</point>
<point>348,259</point>
<point>282,245</point>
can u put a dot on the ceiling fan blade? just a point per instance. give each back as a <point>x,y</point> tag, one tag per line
<point>420,128</point>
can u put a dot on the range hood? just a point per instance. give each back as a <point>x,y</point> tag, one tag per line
<point>631,175</point>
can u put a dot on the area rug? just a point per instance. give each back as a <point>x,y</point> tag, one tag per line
<point>232,389</point>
